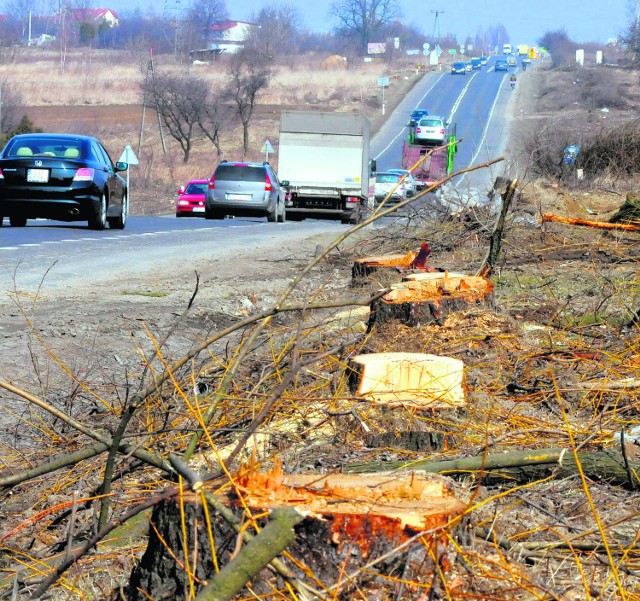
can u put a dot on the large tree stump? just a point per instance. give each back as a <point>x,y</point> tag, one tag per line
<point>349,521</point>
<point>427,301</point>
<point>411,379</point>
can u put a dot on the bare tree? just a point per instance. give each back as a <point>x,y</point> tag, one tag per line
<point>364,18</point>
<point>180,101</point>
<point>277,31</point>
<point>200,17</point>
<point>213,119</point>
<point>249,73</point>
<point>20,10</point>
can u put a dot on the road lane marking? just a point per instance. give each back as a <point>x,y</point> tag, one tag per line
<point>401,132</point>
<point>9,247</point>
<point>456,104</point>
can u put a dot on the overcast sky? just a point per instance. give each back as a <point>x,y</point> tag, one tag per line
<point>524,20</point>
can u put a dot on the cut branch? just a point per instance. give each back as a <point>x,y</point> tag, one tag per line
<point>605,225</point>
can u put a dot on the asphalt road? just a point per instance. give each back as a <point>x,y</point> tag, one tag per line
<point>70,254</point>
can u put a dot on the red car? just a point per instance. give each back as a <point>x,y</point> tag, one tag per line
<point>191,199</point>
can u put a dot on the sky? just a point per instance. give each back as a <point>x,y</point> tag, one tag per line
<point>525,20</point>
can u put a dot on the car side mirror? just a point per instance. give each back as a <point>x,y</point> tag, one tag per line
<point>122,166</point>
<point>181,190</point>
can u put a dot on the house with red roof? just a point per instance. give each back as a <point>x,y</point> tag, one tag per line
<point>229,36</point>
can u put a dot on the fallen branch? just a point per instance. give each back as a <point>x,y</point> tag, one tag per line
<point>521,466</point>
<point>605,225</point>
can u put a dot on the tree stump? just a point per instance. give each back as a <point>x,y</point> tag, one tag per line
<point>349,521</point>
<point>411,379</point>
<point>428,301</point>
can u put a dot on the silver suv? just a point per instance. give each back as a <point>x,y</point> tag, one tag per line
<point>245,190</point>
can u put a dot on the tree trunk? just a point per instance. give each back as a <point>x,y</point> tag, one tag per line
<point>424,300</point>
<point>606,225</point>
<point>350,520</point>
<point>364,267</point>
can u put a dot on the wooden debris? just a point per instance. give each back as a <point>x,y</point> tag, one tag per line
<point>606,225</point>
<point>412,379</point>
<point>413,260</point>
<point>421,302</point>
<point>349,521</point>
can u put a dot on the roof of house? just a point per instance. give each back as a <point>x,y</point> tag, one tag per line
<point>83,14</point>
<point>227,24</point>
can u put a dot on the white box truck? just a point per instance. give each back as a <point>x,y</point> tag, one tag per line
<point>324,163</point>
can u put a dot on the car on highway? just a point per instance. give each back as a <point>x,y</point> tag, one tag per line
<point>511,61</point>
<point>484,60</point>
<point>459,68</point>
<point>61,176</point>
<point>416,115</point>
<point>500,66</point>
<point>191,198</point>
<point>476,63</point>
<point>410,183</point>
<point>468,67</point>
<point>389,184</point>
<point>431,130</point>
<point>245,190</point>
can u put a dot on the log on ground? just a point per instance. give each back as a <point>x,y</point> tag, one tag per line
<point>350,520</point>
<point>423,302</point>
<point>417,380</point>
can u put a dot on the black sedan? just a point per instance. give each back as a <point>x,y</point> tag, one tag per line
<point>64,177</point>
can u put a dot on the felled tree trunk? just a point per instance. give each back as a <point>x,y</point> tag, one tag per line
<point>350,520</point>
<point>606,225</point>
<point>427,301</point>
<point>412,379</point>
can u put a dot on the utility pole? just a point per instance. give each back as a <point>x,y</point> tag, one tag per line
<point>436,25</point>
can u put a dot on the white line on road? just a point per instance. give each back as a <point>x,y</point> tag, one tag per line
<point>9,247</point>
<point>456,104</point>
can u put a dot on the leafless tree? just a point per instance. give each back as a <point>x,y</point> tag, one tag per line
<point>11,104</point>
<point>248,73</point>
<point>364,18</point>
<point>277,31</point>
<point>20,10</point>
<point>213,119</point>
<point>201,15</point>
<point>179,100</point>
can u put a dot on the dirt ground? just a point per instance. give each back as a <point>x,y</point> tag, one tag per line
<point>563,317</point>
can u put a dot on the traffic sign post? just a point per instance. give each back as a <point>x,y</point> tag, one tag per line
<point>267,148</point>
<point>129,157</point>
<point>383,82</point>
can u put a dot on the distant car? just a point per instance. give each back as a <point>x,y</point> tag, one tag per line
<point>192,198</point>
<point>410,183</point>
<point>484,60</point>
<point>476,63</point>
<point>61,176</point>
<point>245,190</point>
<point>416,115</point>
<point>501,66</point>
<point>468,66</point>
<point>431,130</point>
<point>386,183</point>
<point>511,61</point>
<point>459,68</point>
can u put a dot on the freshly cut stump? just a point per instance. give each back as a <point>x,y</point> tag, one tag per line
<point>411,379</point>
<point>427,301</point>
<point>413,260</point>
<point>350,520</point>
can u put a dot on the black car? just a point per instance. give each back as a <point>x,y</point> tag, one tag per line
<point>64,177</point>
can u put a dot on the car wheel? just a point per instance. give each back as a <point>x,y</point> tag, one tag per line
<point>119,223</point>
<point>283,214</point>
<point>17,221</point>
<point>98,220</point>
<point>272,217</point>
<point>1,220</point>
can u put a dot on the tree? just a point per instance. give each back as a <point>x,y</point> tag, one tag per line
<point>213,120</point>
<point>201,15</point>
<point>248,74</point>
<point>20,10</point>
<point>364,18</point>
<point>560,46</point>
<point>179,100</point>
<point>277,31</point>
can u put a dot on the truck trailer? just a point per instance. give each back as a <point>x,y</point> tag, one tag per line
<point>324,163</point>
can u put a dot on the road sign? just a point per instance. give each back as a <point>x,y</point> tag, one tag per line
<point>383,82</point>
<point>532,52</point>
<point>267,148</point>
<point>128,156</point>
<point>452,51</point>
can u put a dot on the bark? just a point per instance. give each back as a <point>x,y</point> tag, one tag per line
<point>606,225</point>
<point>423,302</point>
<point>523,466</point>
<point>350,521</point>
<point>412,261</point>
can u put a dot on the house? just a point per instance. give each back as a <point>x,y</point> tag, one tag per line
<point>229,36</point>
<point>97,16</point>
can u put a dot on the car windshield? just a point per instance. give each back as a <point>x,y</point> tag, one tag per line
<point>387,178</point>
<point>431,123</point>
<point>240,173</point>
<point>196,189</point>
<point>44,147</point>
<point>459,65</point>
